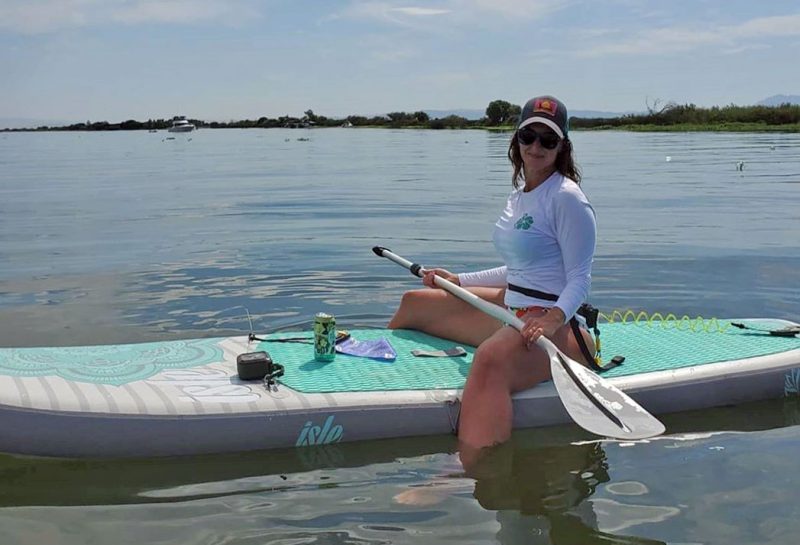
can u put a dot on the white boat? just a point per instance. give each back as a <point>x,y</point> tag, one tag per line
<point>181,125</point>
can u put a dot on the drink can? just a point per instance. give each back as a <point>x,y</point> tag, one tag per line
<point>324,337</point>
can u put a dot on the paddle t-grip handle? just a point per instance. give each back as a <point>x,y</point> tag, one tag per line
<point>415,268</point>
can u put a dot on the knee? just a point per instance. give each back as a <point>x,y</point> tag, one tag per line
<point>491,364</point>
<point>415,306</point>
<point>415,298</point>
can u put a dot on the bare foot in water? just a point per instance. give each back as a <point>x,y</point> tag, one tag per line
<point>433,492</point>
<point>469,464</point>
<point>450,482</point>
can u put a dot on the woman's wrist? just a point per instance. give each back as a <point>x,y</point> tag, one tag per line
<point>556,314</point>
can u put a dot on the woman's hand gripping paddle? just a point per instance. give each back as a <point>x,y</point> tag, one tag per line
<point>592,402</point>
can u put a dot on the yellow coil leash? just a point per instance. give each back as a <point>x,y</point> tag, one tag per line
<point>668,321</point>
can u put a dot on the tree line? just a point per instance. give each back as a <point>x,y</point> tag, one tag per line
<point>498,114</point>
<point>673,114</point>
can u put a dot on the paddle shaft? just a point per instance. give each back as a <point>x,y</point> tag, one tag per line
<point>495,311</point>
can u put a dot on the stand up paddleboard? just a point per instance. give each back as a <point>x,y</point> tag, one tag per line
<point>185,397</point>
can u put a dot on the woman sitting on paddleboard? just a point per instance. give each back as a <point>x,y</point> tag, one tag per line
<point>546,237</point>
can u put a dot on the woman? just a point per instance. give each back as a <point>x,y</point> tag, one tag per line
<point>546,236</point>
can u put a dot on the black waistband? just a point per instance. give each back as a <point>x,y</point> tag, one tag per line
<point>573,322</point>
<point>533,293</point>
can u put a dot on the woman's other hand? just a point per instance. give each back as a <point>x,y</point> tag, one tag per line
<point>546,324</point>
<point>428,275</point>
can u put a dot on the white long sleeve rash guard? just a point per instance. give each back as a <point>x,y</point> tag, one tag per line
<point>546,238</point>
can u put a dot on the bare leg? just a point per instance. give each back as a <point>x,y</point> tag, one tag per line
<point>502,365</point>
<point>437,312</point>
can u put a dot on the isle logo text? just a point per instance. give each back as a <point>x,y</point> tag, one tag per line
<point>312,435</point>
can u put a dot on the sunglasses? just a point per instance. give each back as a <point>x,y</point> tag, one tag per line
<point>528,136</point>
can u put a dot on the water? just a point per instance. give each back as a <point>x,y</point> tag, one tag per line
<point>121,237</point>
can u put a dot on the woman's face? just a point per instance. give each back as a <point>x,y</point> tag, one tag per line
<point>539,146</point>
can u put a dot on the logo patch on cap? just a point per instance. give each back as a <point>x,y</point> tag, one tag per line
<point>545,105</point>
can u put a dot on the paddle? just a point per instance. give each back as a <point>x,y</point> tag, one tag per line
<point>592,402</point>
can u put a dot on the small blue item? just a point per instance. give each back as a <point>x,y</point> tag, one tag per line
<point>378,349</point>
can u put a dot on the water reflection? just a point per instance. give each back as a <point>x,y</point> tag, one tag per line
<point>541,495</point>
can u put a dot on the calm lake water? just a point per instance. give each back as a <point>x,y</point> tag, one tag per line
<point>130,236</point>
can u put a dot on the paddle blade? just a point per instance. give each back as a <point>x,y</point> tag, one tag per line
<point>598,406</point>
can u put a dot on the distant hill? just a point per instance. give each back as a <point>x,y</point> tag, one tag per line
<point>777,100</point>
<point>477,114</point>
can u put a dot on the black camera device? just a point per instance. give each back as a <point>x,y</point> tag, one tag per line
<point>257,366</point>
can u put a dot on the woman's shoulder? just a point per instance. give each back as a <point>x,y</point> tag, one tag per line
<point>568,189</point>
<point>570,201</point>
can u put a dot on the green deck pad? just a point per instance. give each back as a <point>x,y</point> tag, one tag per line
<point>647,346</point>
<point>672,344</point>
<point>356,374</point>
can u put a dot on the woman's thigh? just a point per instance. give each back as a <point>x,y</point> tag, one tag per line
<point>442,314</point>
<point>505,352</point>
<point>530,365</point>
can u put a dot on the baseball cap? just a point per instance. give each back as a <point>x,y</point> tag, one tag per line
<point>547,110</point>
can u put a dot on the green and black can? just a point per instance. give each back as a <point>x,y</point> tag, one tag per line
<point>324,337</point>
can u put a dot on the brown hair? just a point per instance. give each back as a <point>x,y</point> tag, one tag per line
<point>565,163</point>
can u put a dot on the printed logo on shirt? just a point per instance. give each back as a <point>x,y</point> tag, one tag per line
<point>524,222</point>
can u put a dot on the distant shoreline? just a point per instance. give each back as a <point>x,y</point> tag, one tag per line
<point>500,115</point>
<point>679,127</point>
<point>691,127</point>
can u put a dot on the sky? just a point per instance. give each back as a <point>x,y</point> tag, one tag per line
<point>113,60</point>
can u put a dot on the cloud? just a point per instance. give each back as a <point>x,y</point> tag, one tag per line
<point>420,12</point>
<point>172,11</point>
<point>34,17</point>
<point>781,25</point>
<point>678,39</point>
<point>741,49</point>
<point>512,9</point>
<point>397,14</point>
<point>388,12</point>
<point>463,12</point>
<point>42,16</point>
